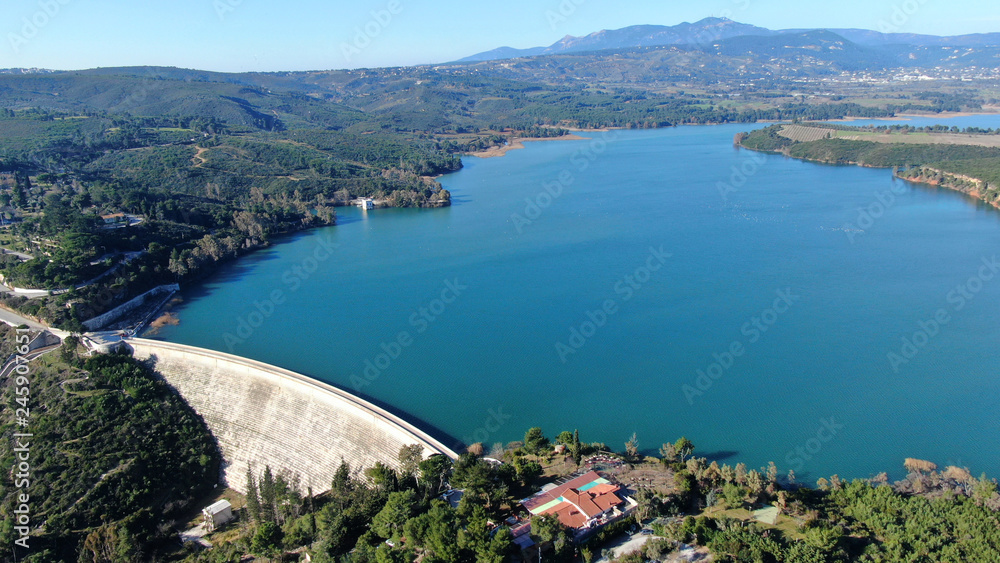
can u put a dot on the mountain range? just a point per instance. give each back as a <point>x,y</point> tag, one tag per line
<point>707,32</point>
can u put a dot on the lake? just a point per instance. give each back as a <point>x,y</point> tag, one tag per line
<point>663,283</point>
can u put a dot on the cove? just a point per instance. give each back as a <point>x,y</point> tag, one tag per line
<point>657,282</point>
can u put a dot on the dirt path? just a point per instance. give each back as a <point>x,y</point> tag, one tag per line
<point>200,159</point>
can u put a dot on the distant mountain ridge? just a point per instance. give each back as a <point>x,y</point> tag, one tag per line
<point>706,32</point>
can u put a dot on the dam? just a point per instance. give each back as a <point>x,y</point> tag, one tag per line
<point>265,415</point>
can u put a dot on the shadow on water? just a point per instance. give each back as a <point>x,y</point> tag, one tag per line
<point>449,441</point>
<point>719,456</point>
<point>440,435</point>
<point>348,219</point>
<point>238,268</point>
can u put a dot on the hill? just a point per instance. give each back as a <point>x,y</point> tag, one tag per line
<point>115,457</point>
<point>708,31</point>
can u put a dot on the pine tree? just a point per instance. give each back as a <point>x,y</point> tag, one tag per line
<point>253,499</point>
<point>267,495</point>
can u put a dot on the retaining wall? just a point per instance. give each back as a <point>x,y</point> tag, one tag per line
<point>127,307</point>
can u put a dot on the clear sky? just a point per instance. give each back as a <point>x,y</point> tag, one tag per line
<point>266,35</point>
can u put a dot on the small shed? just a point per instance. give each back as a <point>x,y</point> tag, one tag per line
<point>768,515</point>
<point>217,514</point>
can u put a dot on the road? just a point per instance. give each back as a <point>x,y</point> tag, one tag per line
<point>20,255</point>
<point>13,319</point>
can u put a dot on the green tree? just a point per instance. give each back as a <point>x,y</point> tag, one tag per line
<point>268,496</point>
<point>683,447</point>
<point>252,496</point>
<point>632,447</point>
<point>67,352</point>
<point>397,510</point>
<point>476,537</point>
<point>436,531</point>
<point>824,538</point>
<point>535,441</point>
<point>565,438</point>
<point>734,495</point>
<point>527,470</point>
<point>434,471</point>
<point>548,532</point>
<point>383,476</point>
<point>409,460</point>
<point>267,539</point>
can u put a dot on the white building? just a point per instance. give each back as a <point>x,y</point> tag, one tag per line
<point>217,514</point>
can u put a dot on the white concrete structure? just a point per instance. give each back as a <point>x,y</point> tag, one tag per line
<point>217,514</point>
<point>265,415</point>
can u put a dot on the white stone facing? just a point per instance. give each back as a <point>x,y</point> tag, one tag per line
<point>265,415</point>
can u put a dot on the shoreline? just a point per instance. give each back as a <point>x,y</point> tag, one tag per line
<point>516,143</point>
<point>974,194</point>
<point>909,115</point>
<point>419,422</point>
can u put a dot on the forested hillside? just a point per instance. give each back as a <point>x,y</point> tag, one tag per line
<point>115,455</point>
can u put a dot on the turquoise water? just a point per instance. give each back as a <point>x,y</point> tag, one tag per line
<point>598,305</point>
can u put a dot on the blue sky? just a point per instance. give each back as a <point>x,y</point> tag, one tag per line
<point>263,35</point>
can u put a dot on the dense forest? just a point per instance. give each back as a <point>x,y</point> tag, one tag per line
<point>380,514</point>
<point>116,457</point>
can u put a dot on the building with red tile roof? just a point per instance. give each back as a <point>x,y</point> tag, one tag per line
<point>581,503</point>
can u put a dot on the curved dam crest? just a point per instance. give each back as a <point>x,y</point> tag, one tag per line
<point>265,415</point>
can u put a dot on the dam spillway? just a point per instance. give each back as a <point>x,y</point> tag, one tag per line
<point>265,415</point>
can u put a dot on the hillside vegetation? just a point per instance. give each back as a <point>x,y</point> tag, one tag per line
<point>116,457</point>
<point>939,158</point>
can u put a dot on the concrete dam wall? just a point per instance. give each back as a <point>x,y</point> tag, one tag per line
<point>262,414</point>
